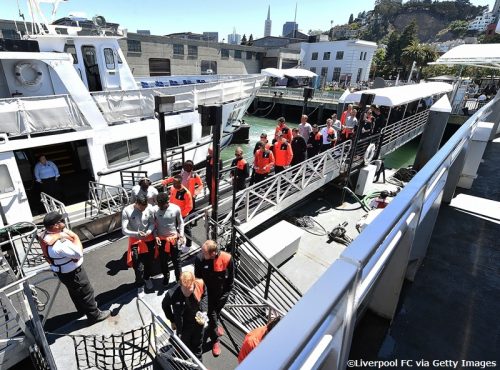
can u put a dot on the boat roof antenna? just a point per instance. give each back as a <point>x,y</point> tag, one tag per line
<point>38,17</point>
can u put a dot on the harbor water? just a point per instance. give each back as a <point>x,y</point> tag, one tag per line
<point>402,157</point>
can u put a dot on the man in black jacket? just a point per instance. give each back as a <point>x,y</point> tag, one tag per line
<point>216,268</point>
<point>186,308</point>
<point>299,147</point>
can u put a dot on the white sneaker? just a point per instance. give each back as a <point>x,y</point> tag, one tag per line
<point>140,292</point>
<point>149,284</point>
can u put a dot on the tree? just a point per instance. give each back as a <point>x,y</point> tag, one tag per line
<point>393,52</point>
<point>351,18</point>
<point>378,61</point>
<point>250,40</point>
<point>419,53</point>
<point>243,40</point>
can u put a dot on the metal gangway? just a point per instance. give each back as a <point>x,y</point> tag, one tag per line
<point>370,273</point>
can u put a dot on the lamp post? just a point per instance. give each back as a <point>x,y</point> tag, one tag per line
<point>163,105</point>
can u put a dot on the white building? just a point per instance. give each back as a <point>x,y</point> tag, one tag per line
<point>480,23</point>
<point>340,61</point>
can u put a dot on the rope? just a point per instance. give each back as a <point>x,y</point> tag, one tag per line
<point>309,224</point>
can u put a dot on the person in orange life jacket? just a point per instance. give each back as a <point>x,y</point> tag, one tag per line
<point>263,140</point>
<point>63,250</point>
<point>283,154</point>
<point>380,201</point>
<point>144,188</point>
<point>216,268</point>
<point>191,180</point>
<point>181,196</point>
<point>314,142</point>
<point>138,225</point>
<point>254,337</point>
<point>240,173</point>
<point>283,129</point>
<point>169,228</point>
<point>299,147</point>
<point>209,167</point>
<point>263,162</point>
<point>186,306</point>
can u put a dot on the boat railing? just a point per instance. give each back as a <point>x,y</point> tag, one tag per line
<point>297,93</point>
<point>168,349</point>
<point>52,204</point>
<point>372,269</point>
<point>22,116</point>
<point>468,106</point>
<point>105,199</point>
<point>21,329</point>
<point>133,105</point>
<point>398,133</point>
<point>262,200</point>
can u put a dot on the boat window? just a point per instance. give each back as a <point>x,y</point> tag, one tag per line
<point>237,54</point>
<point>412,108</point>
<point>127,150</point>
<point>224,53</point>
<point>208,67</point>
<point>91,68</point>
<point>314,56</point>
<point>340,55</point>
<point>134,46</point>
<point>70,49</point>
<point>326,55</point>
<point>179,136</point>
<point>6,184</point>
<point>159,67</point>
<point>109,58</point>
<point>249,55</point>
<point>206,131</point>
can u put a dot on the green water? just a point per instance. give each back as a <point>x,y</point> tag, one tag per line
<point>402,157</point>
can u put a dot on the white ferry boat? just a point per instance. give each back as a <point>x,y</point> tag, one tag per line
<point>74,99</point>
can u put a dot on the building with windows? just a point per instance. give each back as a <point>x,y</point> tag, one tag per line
<point>267,25</point>
<point>289,28</point>
<point>346,61</point>
<point>481,22</point>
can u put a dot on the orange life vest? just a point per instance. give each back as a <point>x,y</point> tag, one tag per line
<point>199,288</point>
<point>282,154</point>
<point>252,340</point>
<point>182,197</point>
<point>221,262</point>
<point>170,241</point>
<point>263,161</point>
<point>241,164</point>
<point>141,247</point>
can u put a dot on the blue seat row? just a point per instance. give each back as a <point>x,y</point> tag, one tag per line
<point>150,84</point>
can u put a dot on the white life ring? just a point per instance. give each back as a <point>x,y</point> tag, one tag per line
<point>370,153</point>
<point>20,67</point>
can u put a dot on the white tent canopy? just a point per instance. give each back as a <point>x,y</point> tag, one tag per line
<point>398,95</point>
<point>291,72</point>
<point>478,55</point>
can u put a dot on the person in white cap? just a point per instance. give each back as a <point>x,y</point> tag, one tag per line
<point>64,252</point>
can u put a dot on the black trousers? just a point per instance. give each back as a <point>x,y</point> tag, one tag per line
<point>215,305</point>
<point>192,336</point>
<point>260,177</point>
<point>80,291</point>
<point>173,256</point>
<point>278,169</point>
<point>143,263</point>
<point>51,187</point>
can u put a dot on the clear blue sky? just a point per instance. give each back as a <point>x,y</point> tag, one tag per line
<point>170,16</point>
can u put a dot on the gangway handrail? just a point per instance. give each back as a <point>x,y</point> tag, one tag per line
<point>354,275</point>
<point>172,335</point>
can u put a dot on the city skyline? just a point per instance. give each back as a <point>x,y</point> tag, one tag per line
<point>165,17</point>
